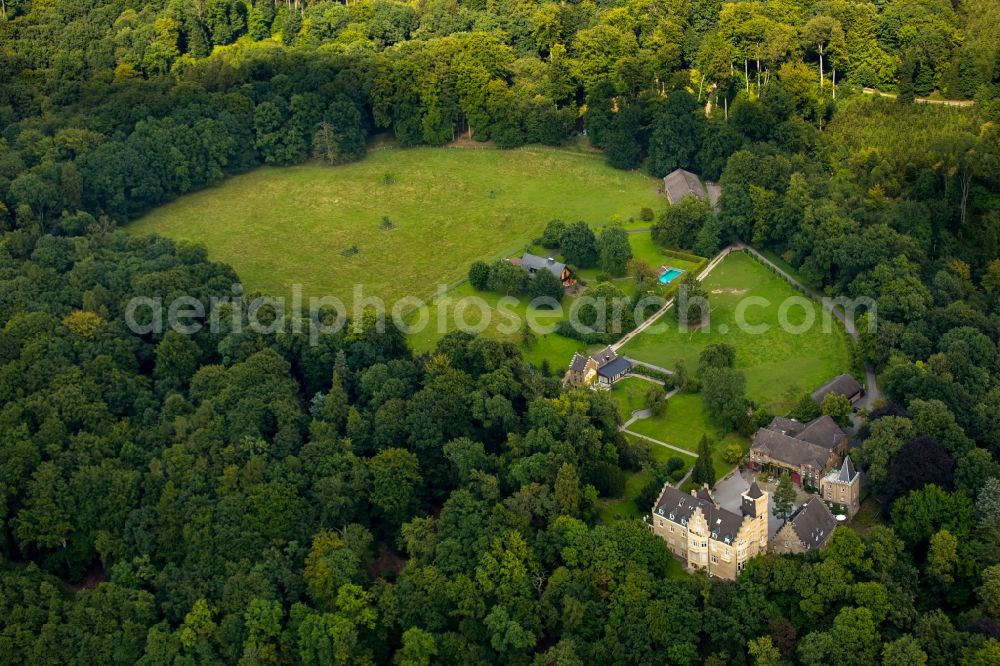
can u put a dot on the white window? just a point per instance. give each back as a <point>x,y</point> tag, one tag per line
<point>715,559</point>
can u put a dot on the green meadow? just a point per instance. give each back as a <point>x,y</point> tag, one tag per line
<point>491,314</point>
<point>683,424</point>
<point>779,364</point>
<point>447,207</point>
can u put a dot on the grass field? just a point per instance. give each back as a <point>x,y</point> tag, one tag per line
<point>779,364</point>
<point>625,507</point>
<point>629,395</point>
<point>448,313</point>
<point>558,350</point>
<point>683,424</point>
<point>449,207</point>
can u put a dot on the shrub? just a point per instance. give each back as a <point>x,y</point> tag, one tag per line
<point>646,214</point>
<point>567,330</point>
<point>545,283</point>
<point>656,400</point>
<point>506,278</point>
<point>732,454</point>
<point>552,235</point>
<point>668,380</point>
<point>479,275</point>
<point>609,480</point>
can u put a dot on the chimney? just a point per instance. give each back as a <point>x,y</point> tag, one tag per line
<point>551,260</point>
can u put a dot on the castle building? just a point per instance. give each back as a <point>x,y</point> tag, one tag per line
<point>806,450</point>
<point>843,486</point>
<point>807,529</point>
<point>705,536</point>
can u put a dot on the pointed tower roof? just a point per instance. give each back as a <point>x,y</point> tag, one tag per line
<point>847,471</point>
<point>754,491</point>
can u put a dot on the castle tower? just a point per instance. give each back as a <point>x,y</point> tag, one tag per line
<point>843,487</point>
<point>754,505</point>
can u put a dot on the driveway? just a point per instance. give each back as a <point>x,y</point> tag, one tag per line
<point>728,491</point>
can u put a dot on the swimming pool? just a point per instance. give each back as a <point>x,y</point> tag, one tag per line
<point>669,275</point>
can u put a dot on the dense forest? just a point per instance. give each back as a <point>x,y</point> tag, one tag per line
<point>234,497</point>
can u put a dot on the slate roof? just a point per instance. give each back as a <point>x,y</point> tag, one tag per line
<point>846,473</point>
<point>579,363</point>
<point>845,385</point>
<point>813,523</point>
<point>785,425</point>
<point>789,450</point>
<point>604,356</point>
<point>533,262</point>
<point>680,183</point>
<point>822,431</point>
<point>614,367</point>
<point>748,505</point>
<point>678,508</point>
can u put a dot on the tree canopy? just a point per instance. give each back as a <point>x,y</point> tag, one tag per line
<point>238,497</point>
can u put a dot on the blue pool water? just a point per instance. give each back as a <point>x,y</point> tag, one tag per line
<point>669,275</point>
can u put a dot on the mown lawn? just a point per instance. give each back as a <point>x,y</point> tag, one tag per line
<point>443,315</point>
<point>779,364</point>
<point>448,207</point>
<point>630,394</point>
<point>625,507</point>
<point>683,425</point>
<point>483,312</point>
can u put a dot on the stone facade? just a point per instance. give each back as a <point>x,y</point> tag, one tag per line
<point>603,368</point>
<point>806,450</point>
<point>843,486</point>
<point>807,529</point>
<point>704,536</point>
